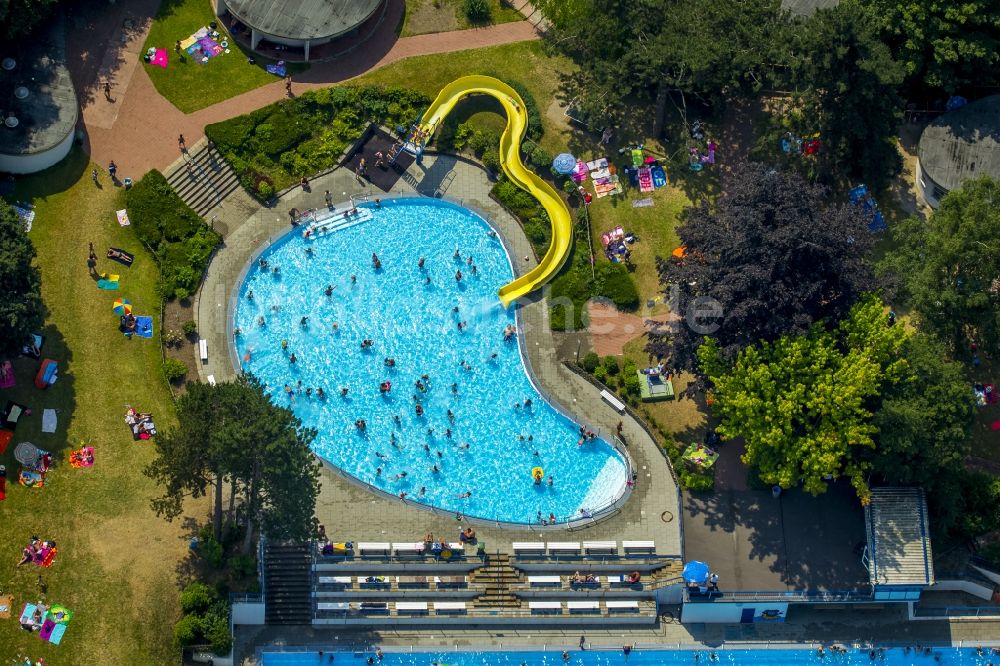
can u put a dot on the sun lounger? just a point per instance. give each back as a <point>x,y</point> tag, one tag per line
<point>376,548</point>
<point>645,180</point>
<point>606,547</point>
<point>528,548</point>
<point>408,549</point>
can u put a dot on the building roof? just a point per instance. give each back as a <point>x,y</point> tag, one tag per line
<point>50,111</point>
<point>807,7</point>
<point>899,541</point>
<point>303,19</point>
<point>963,144</point>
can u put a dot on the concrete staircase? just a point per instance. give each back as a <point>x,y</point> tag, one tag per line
<point>202,178</point>
<point>288,583</point>
<point>496,577</point>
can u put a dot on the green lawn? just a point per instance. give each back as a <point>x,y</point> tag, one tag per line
<point>429,16</point>
<point>522,62</point>
<point>188,84</point>
<point>117,567</point>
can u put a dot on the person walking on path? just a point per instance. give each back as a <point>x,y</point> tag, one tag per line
<point>113,171</point>
<point>93,176</point>
<point>181,143</point>
<point>107,91</point>
<point>288,85</point>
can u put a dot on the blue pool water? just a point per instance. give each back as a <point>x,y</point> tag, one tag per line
<point>493,445</point>
<point>890,657</point>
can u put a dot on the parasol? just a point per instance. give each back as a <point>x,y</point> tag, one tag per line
<point>564,163</point>
<point>695,573</point>
<point>122,306</point>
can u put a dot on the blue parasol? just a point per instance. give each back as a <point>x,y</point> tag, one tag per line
<point>695,573</point>
<point>564,163</point>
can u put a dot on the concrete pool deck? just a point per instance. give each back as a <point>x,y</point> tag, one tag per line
<point>351,512</point>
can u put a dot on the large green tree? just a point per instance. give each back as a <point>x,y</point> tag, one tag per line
<point>803,403</point>
<point>232,433</point>
<point>21,310</point>
<point>946,45</point>
<point>773,257</point>
<point>924,420</point>
<point>851,81</point>
<point>950,267</point>
<point>637,50</point>
<point>19,17</point>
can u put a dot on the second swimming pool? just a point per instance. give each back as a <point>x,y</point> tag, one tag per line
<point>435,341</point>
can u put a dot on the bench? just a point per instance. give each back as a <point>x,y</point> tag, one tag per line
<point>607,547</point>
<point>545,606</point>
<point>421,581</point>
<point>441,607</point>
<point>373,607</point>
<point>374,548</point>
<point>584,606</point>
<point>335,580</point>
<point>557,547</point>
<point>341,606</point>
<point>532,547</point>
<point>403,549</point>
<point>203,350</point>
<point>644,546</point>
<point>613,400</point>
<point>411,606</point>
<point>544,580</point>
<point>620,606</point>
<point>448,581</point>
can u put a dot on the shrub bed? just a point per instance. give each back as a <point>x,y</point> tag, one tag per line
<point>273,147</point>
<point>177,237</point>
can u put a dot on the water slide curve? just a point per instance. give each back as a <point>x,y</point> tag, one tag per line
<point>520,175</point>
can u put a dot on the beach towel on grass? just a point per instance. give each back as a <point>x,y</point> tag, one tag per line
<point>6,603</point>
<point>144,326</point>
<point>48,420</point>
<point>107,285</point>
<point>8,380</point>
<point>26,214</point>
<point>5,438</point>
<point>123,217</point>
<point>643,203</point>
<point>159,58</point>
<point>121,256</point>
<point>277,70</point>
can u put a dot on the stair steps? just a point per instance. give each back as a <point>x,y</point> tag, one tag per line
<point>288,583</point>
<point>202,178</point>
<point>496,577</point>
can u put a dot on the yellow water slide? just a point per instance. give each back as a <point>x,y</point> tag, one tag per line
<point>510,161</point>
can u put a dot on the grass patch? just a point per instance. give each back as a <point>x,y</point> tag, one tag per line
<point>181,241</point>
<point>190,85</point>
<point>521,62</point>
<point>274,146</point>
<point>117,562</point>
<point>429,16</point>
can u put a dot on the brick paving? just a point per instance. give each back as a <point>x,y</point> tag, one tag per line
<point>350,511</point>
<point>138,128</point>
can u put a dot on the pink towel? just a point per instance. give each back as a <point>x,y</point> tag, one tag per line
<point>160,58</point>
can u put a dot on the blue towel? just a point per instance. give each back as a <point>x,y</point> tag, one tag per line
<point>659,177</point>
<point>144,327</point>
<point>107,284</point>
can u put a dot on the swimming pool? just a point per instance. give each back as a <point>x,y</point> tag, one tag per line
<point>479,459</point>
<point>769,657</point>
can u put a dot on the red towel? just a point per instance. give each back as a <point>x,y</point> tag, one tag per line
<point>3,488</point>
<point>995,425</point>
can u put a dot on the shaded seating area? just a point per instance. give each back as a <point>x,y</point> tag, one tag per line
<point>384,162</point>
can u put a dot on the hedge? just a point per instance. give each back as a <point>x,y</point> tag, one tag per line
<point>273,147</point>
<point>178,238</point>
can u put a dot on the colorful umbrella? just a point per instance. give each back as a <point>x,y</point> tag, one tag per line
<point>564,163</point>
<point>695,573</point>
<point>122,306</point>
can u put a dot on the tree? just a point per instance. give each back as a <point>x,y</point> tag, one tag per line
<point>925,420</point>
<point>773,257</point>
<point>21,310</point>
<point>645,47</point>
<point>950,267</point>
<point>232,432</point>
<point>18,17</point>
<point>803,403</point>
<point>852,83</point>
<point>946,45</point>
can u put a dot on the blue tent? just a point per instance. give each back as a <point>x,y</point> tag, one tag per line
<point>564,163</point>
<point>695,573</point>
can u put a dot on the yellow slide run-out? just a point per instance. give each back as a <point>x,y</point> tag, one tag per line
<point>510,161</point>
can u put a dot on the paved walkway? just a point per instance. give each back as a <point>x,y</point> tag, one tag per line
<point>138,128</point>
<point>358,514</point>
<point>610,329</point>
